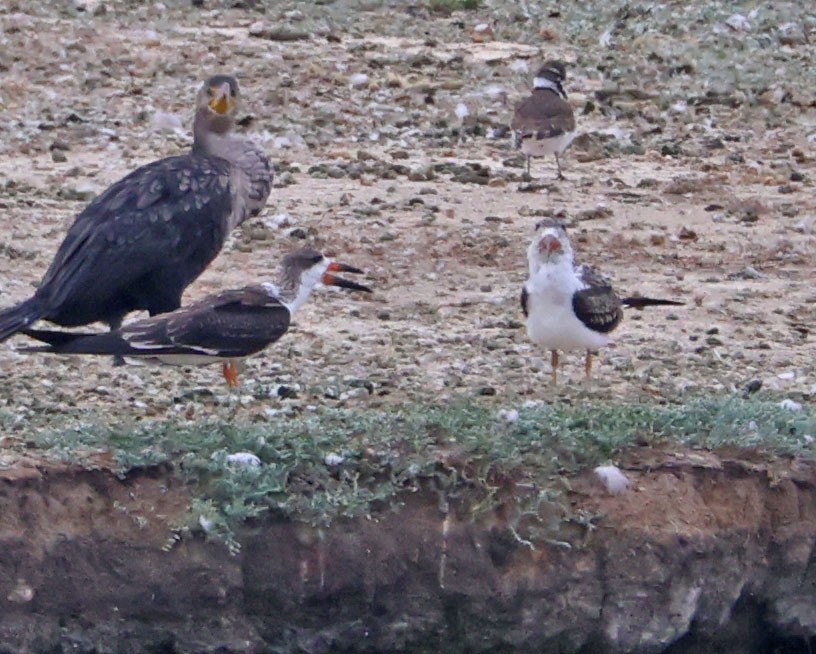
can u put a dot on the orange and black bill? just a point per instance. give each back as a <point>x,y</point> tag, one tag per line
<point>334,280</point>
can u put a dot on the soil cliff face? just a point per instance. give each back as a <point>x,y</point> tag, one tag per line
<point>702,553</point>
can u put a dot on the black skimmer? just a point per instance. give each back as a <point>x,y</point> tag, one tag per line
<point>148,236</point>
<point>569,306</point>
<point>224,327</point>
<point>543,123</point>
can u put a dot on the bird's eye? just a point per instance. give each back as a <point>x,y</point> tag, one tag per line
<point>317,258</point>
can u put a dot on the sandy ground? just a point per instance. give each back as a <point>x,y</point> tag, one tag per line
<point>368,173</point>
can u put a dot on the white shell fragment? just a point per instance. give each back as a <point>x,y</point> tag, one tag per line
<point>790,405</point>
<point>612,477</point>
<point>508,415</point>
<point>243,459</point>
<point>358,81</point>
<point>739,23</point>
<point>163,120</point>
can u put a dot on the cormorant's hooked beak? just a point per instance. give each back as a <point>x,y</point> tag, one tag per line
<point>333,280</point>
<point>221,100</point>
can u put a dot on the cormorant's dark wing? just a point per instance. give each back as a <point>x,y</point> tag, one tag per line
<point>260,178</point>
<point>160,226</point>
<point>597,305</point>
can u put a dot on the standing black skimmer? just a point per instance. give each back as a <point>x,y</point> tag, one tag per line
<point>570,307</point>
<point>148,236</point>
<point>543,122</point>
<point>225,327</point>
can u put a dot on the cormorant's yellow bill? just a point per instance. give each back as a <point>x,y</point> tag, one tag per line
<point>221,101</point>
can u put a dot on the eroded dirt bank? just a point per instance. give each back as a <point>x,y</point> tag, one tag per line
<point>702,553</point>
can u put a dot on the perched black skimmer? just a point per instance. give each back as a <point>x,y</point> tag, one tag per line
<point>148,236</point>
<point>224,327</point>
<point>543,123</point>
<point>569,306</point>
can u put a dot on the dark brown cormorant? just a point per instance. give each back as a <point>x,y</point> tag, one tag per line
<point>148,236</point>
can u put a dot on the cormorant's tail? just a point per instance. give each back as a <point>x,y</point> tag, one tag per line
<point>640,302</point>
<point>17,318</point>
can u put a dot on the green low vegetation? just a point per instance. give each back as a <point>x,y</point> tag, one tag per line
<point>346,463</point>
